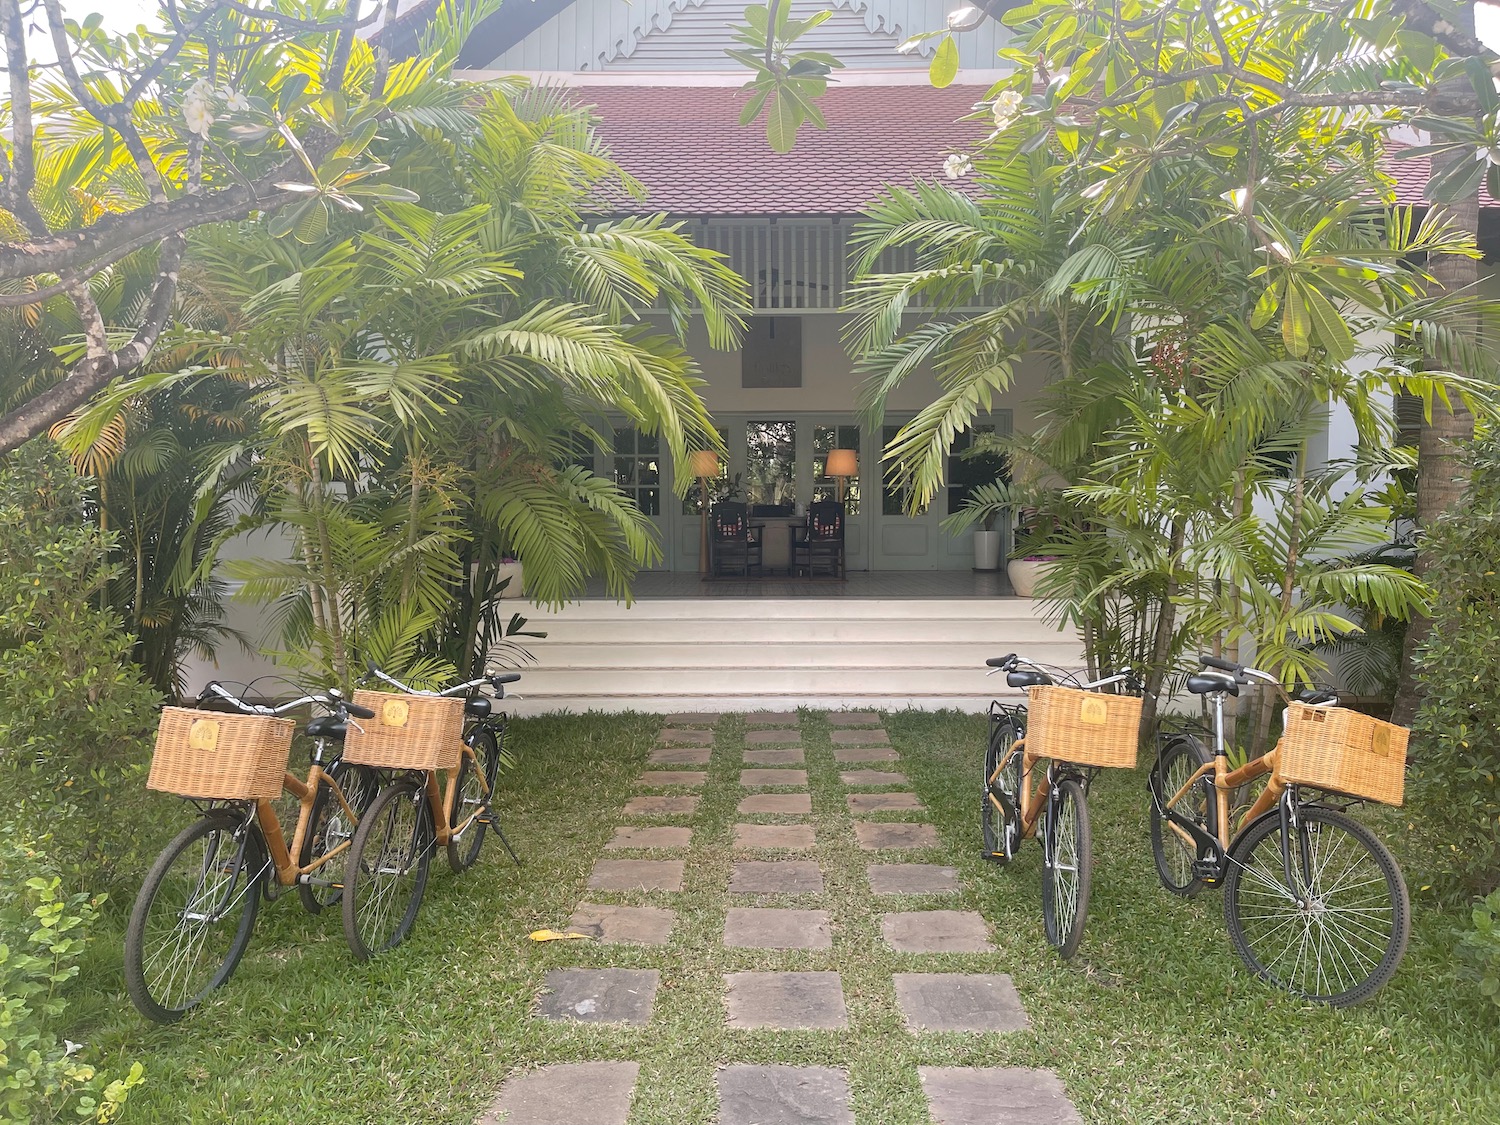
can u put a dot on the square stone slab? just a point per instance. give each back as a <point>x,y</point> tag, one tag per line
<point>752,779</point>
<point>599,995</point>
<point>872,777</point>
<point>636,875</point>
<point>873,835</point>
<point>675,736</point>
<point>1001,1095</point>
<point>776,803</point>
<point>623,925</point>
<point>795,836</point>
<point>772,719</point>
<point>775,757</point>
<point>649,838</point>
<point>693,719</point>
<point>596,1093</point>
<point>786,1000</point>
<point>776,876</point>
<point>912,879</point>
<point>783,1095</point>
<point>661,806</point>
<point>936,931</point>
<point>756,928</point>
<point>673,756</point>
<point>657,779</point>
<point>875,737</point>
<point>959,1002</point>
<point>865,754</point>
<point>853,719</point>
<point>762,737</point>
<point>883,802</point>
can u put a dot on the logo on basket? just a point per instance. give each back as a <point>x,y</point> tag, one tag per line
<point>395,713</point>
<point>203,735</point>
<point>1380,742</point>
<point>1093,712</point>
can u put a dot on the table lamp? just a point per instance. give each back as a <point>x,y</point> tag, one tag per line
<point>704,464</point>
<point>842,464</point>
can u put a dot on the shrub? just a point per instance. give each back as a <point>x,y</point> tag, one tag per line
<point>1455,781</point>
<point>1479,948</point>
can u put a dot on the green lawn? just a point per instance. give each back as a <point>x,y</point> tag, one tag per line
<point>1155,1021</point>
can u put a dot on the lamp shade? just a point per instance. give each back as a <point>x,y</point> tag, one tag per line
<point>704,462</point>
<point>842,463</point>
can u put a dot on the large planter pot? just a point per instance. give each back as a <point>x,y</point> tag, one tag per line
<point>1024,575</point>
<point>986,550</point>
<point>517,585</point>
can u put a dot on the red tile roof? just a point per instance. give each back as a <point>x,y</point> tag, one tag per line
<point>1411,179</point>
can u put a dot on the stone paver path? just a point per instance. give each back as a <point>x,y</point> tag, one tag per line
<point>661,806</point>
<point>623,925</point>
<point>783,1095</point>
<point>625,837</point>
<point>787,1001</point>
<point>599,995</point>
<point>596,1093</point>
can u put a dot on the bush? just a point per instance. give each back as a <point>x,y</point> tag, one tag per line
<point>1455,781</point>
<point>1479,948</point>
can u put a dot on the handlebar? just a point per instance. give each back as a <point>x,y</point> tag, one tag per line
<point>332,699</point>
<point>496,682</point>
<point>1012,662</point>
<point>1242,673</point>
<point>1007,661</point>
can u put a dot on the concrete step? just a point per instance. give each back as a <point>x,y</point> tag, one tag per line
<point>1003,635</point>
<point>754,609</point>
<point>852,652</point>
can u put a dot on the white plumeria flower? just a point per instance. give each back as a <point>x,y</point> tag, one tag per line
<point>1006,108</point>
<point>195,113</point>
<point>958,164</point>
<point>234,101</point>
<point>202,89</point>
<point>70,1047</point>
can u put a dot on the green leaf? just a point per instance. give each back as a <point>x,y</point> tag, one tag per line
<point>1265,308</point>
<point>944,67</point>
<point>753,107</point>
<point>783,121</point>
<point>1296,324</point>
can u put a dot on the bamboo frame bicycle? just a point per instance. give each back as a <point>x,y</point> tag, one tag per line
<point>195,911</point>
<point>1013,808</point>
<point>1313,901</point>
<point>392,850</point>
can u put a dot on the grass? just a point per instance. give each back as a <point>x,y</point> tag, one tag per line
<point>1154,1021</point>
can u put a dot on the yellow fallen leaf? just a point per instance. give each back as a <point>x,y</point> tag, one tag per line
<point>554,935</point>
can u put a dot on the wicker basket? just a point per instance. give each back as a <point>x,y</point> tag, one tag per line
<point>1344,751</point>
<point>212,755</point>
<point>408,732</point>
<point>1087,728</point>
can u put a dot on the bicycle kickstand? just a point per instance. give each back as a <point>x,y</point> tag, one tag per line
<point>494,822</point>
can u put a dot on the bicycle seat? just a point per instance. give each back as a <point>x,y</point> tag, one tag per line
<point>477,707</point>
<point>1201,683</point>
<point>1027,679</point>
<point>1315,696</point>
<point>328,726</point>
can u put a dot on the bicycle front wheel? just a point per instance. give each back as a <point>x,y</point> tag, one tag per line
<point>1177,859</point>
<point>1067,869</point>
<point>387,869</point>
<point>193,916</point>
<point>329,827</point>
<point>463,851</point>
<point>1338,933</point>
<point>1002,786</point>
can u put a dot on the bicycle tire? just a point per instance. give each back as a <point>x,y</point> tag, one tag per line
<point>999,830</point>
<point>464,853</point>
<point>1067,868</point>
<point>206,885</point>
<point>328,827</point>
<point>387,870</point>
<point>1178,760</point>
<point>1346,948</point>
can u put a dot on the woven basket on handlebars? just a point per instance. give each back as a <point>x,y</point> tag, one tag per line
<point>1344,751</point>
<point>1087,728</point>
<point>408,732</point>
<point>217,756</point>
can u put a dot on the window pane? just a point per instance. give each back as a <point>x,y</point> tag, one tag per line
<point>771,464</point>
<point>965,474</point>
<point>826,439</point>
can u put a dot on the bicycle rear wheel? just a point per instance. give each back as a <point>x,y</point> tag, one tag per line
<point>387,870</point>
<point>1176,858</point>
<point>1067,868</point>
<point>464,852</point>
<point>193,916</point>
<point>1338,935</point>
<point>998,818</point>
<point>329,827</point>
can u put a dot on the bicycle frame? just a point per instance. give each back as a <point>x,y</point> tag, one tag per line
<point>282,856</point>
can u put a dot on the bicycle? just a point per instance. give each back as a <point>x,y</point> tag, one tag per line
<point>1080,730</point>
<point>196,909</point>
<point>1313,901</point>
<point>392,849</point>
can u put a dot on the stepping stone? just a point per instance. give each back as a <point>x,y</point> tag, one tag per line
<point>865,754</point>
<point>599,995</point>
<point>912,879</point>
<point>775,757</point>
<point>795,836</point>
<point>668,756</point>
<point>776,803</point>
<point>786,1000</point>
<point>661,806</point>
<point>673,736</point>
<point>959,1002</point>
<point>693,719</point>
<point>936,931</point>
<point>874,836</point>
<point>752,779</point>
<point>772,719</point>
<point>872,777</point>
<point>853,719</point>
<point>883,802</point>
<point>762,737</point>
<point>596,1093</point>
<point>623,925</point>
<point>776,877</point>
<point>783,1095</point>
<point>755,928</point>
<point>636,875</point>
<point>1001,1095</point>
<point>859,738</point>
<point>657,779</point>
<point>649,838</point>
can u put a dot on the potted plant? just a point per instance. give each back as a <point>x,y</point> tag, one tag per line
<point>510,577</point>
<point>983,507</point>
<point>1027,564</point>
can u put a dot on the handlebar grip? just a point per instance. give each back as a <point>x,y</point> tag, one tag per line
<point>1222,665</point>
<point>210,688</point>
<point>370,666</point>
<point>504,678</point>
<point>1000,661</point>
<point>359,712</point>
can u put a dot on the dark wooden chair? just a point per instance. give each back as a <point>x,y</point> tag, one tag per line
<point>734,546</point>
<point>818,546</point>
